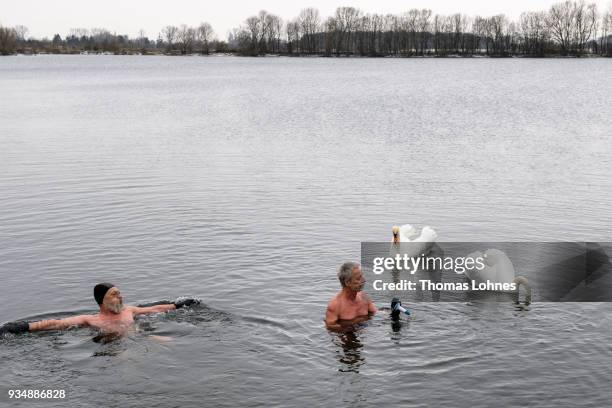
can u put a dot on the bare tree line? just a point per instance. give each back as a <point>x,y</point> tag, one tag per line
<point>185,39</point>
<point>172,40</point>
<point>567,28</point>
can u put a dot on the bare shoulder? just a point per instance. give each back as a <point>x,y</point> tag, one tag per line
<point>364,297</point>
<point>333,303</point>
<point>80,320</point>
<point>133,310</point>
<point>367,300</point>
<point>92,320</point>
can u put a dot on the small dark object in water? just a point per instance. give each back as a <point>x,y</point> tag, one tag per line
<point>186,302</point>
<point>15,328</point>
<point>396,309</point>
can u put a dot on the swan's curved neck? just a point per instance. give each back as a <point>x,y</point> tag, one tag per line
<point>521,280</point>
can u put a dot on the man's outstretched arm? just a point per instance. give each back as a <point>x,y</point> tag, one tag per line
<point>59,324</point>
<point>164,307</point>
<point>51,324</point>
<point>137,310</point>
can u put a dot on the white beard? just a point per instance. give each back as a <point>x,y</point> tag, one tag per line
<point>116,308</point>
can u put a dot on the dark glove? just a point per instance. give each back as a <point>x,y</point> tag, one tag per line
<point>186,302</point>
<point>15,328</point>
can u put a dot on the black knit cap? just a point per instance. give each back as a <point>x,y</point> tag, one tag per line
<point>100,290</point>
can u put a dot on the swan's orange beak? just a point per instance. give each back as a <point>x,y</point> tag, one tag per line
<point>396,239</point>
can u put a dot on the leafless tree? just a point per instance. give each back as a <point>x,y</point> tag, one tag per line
<point>8,40</point>
<point>410,24</point>
<point>169,34</point>
<point>142,40</point>
<point>205,34</point>
<point>560,23</point>
<point>254,27</point>
<point>345,19</point>
<point>479,30</point>
<point>331,32</point>
<point>185,37</point>
<point>534,32</point>
<point>585,22</point>
<point>264,31</point>
<point>293,36</point>
<point>273,26</point>
<point>79,32</point>
<point>370,30</point>
<point>277,28</point>
<point>497,31</point>
<point>606,35</point>
<point>21,32</point>
<point>423,25</point>
<point>459,26</point>
<point>309,21</point>
<point>571,25</point>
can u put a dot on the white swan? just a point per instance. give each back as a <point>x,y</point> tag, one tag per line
<point>417,243</point>
<point>498,267</point>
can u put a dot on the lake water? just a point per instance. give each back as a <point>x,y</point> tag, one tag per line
<point>247,181</point>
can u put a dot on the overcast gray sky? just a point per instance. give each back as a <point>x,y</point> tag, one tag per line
<point>47,17</point>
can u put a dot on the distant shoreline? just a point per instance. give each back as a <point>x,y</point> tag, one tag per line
<point>286,55</point>
<point>567,28</point>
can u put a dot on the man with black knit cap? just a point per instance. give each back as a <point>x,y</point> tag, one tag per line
<point>113,317</point>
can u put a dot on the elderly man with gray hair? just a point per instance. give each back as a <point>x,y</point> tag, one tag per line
<point>351,305</point>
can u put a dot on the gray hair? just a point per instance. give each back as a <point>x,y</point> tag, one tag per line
<point>345,273</point>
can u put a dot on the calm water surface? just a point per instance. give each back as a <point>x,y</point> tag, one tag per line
<point>246,182</point>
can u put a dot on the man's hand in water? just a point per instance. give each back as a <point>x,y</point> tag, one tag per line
<point>15,328</point>
<point>186,302</point>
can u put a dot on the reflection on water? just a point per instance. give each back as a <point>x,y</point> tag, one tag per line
<point>107,337</point>
<point>397,322</point>
<point>112,345</point>
<point>349,354</point>
<point>396,328</point>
